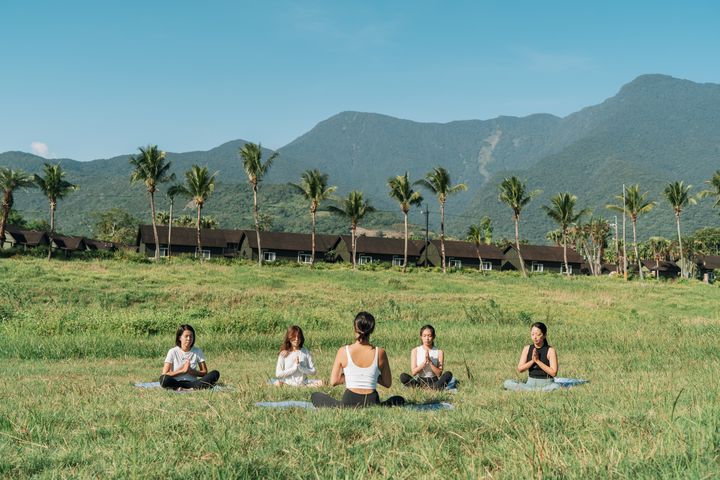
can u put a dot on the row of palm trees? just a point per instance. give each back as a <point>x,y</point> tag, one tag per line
<point>52,183</point>
<point>151,168</point>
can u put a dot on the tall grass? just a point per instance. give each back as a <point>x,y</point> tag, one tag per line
<point>77,335</point>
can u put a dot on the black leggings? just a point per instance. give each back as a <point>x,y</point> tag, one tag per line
<point>207,381</point>
<point>354,400</point>
<point>432,382</point>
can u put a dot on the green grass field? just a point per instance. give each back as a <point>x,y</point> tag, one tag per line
<point>77,335</point>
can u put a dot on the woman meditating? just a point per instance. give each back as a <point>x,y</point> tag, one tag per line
<point>426,363</point>
<point>540,360</point>
<point>294,362</point>
<point>361,367</point>
<point>185,364</point>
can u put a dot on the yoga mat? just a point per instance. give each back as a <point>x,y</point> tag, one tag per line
<point>154,385</point>
<point>570,382</point>
<point>309,405</point>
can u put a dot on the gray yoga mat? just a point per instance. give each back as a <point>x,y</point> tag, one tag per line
<point>309,405</point>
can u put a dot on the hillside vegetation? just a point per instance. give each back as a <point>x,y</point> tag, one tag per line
<point>657,129</point>
<point>78,334</point>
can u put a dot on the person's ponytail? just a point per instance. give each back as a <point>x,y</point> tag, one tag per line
<point>364,326</point>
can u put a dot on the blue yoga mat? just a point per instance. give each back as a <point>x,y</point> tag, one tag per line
<point>153,385</point>
<point>570,382</point>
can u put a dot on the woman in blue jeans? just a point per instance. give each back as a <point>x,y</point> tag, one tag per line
<point>540,361</point>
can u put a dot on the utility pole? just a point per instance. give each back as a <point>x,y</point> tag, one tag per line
<point>617,244</point>
<point>427,232</point>
<point>625,272</point>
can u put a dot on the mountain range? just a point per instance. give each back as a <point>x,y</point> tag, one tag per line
<point>656,129</point>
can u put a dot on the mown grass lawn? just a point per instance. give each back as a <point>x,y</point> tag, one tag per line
<point>77,335</point>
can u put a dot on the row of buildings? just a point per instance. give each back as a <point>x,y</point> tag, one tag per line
<point>296,247</point>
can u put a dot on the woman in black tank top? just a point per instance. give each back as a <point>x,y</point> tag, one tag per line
<point>540,361</point>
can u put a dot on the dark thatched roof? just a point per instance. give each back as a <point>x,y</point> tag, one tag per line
<point>185,236</point>
<point>384,246</point>
<point>542,253</point>
<point>661,266</point>
<point>93,244</point>
<point>291,241</point>
<point>458,249</point>
<point>31,238</point>
<point>709,262</point>
<point>70,243</point>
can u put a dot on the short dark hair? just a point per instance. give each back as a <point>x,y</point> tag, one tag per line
<point>540,326</point>
<point>364,325</point>
<point>432,330</point>
<point>180,331</point>
<point>292,331</point>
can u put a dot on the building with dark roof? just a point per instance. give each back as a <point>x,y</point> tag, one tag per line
<point>214,242</point>
<point>289,247</point>
<point>24,239</point>
<point>541,258</point>
<point>463,255</point>
<point>379,250</point>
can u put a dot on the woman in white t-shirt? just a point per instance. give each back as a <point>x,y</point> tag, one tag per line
<point>185,363</point>
<point>295,362</point>
<point>426,363</point>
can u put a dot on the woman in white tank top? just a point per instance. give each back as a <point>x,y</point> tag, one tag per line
<point>426,363</point>
<point>361,367</point>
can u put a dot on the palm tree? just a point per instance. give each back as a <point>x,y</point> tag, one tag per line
<point>514,194</point>
<point>438,182</point>
<point>199,184</point>
<point>54,187</point>
<point>678,195</point>
<point>715,192</point>
<point>151,169</point>
<point>172,192</point>
<point>486,229</point>
<point>636,204</point>
<point>11,180</point>
<point>401,190</point>
<point>314,188</point>
<point>255,169</point>
<point>659,249</point>
<point>184,221</point>
<point>353,208</point>
<point>476,235</point>
<point>562,211</point>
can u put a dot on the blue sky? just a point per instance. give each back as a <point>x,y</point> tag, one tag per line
<point>89,79</point>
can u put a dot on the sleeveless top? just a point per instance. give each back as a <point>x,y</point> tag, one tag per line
<point>427,372</point>
<point>358,377</point>
<point>535,371</point>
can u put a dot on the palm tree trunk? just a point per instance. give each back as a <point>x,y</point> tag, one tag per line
<point>353,228</point>
<point>170,228</point>
<point>477,250</point>
<point>517,245</point>
<point>635,246</point>
<point>312,256</point>
<point>442,235</point>
<point>682,257</point>
<point>154,225</point>
<point>564,239</point>
<point>406,242</point>
<point>257,225</point>
<point>52,227</point>
<point>197,229</point>
<point>5,214</point>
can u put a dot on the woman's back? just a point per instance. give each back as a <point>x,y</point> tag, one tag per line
<point>361,367</point>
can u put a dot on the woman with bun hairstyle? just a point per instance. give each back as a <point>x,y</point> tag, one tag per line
<point>426,363</point>
<point>185,364</point>
<point>361,366</point>
<point>540,361</point>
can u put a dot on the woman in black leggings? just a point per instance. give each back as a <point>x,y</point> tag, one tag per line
<point>361,367</point>
<point>185,363</point>
<point>426,363</point>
